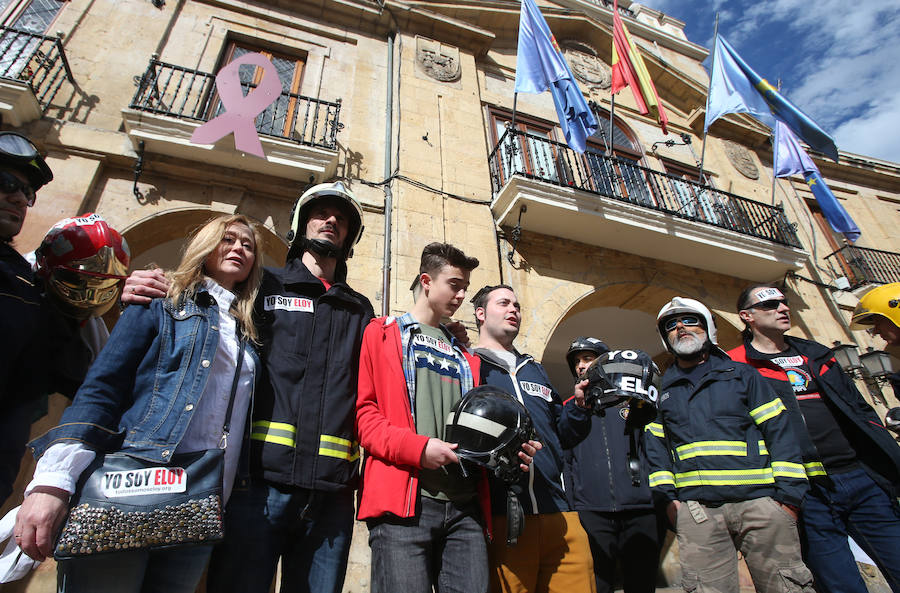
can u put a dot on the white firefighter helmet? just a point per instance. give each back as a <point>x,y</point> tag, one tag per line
<point>339,193</point>
<point>681,306</point>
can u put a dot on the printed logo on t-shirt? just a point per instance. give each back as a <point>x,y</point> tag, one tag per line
<point>274,302</point>
<point>437,356</point>
<point>150,480</point>
<point>430,342</point>
<point>798,379</point>
<point>537,390</point>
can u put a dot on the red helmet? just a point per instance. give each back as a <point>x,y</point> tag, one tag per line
<point>83,262</point>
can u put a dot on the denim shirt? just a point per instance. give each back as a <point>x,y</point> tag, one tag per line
<point>141,392</point>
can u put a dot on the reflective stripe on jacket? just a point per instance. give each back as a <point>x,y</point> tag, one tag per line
<point>726,439</point>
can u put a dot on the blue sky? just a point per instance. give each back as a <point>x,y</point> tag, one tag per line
<point>838,61</point>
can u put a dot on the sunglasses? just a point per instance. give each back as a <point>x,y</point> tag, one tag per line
<point>10,184</point>
<point>769,305</point>
<point>686,321</point>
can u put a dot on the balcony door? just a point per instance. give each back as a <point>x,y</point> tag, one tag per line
<point>691,200</point>
<point>529,152</point>
<point>18,49</point>
<point>621,177</point>
<point>279,118</point>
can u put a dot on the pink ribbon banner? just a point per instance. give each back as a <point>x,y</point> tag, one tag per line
<point>240,109</point>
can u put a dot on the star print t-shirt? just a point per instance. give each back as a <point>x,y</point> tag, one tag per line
<point>834,450</point>
<point>438,388</point>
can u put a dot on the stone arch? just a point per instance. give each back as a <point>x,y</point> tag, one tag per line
<point>159,238</point>
<point>623,314</point>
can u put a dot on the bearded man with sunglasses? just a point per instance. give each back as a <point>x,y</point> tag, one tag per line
<point>852,462</point>
<point>724,463</point>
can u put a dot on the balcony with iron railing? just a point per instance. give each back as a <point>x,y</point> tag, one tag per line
<point>614,202</point>
<point>33,68</point>
<point>171,101</point>
<point>863,266</point>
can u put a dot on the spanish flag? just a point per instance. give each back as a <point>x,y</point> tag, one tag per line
<point>628,69</point>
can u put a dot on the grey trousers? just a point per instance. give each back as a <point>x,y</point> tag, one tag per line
<point>764,533</point>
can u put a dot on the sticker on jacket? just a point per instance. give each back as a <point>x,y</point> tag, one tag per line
<point>150,480</point>
<point>788,361</point>
<point>537,390</point>
<point>285,303</point>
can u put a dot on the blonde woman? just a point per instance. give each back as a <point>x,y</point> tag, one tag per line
<point>159,387</point>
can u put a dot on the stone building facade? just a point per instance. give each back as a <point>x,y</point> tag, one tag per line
<point>411,104</point>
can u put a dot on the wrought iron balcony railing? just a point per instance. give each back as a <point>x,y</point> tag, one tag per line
<point>35,59</point>
<point>862,265</point>
<point>622,179</point>
<point>168,89</point>
<point>608,4</point>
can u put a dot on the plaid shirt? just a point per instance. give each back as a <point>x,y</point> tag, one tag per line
<point>408,326</point>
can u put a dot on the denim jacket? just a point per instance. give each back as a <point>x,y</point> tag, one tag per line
<point>140,393</point>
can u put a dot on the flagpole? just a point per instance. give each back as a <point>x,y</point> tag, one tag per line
<point>708,90</point>
<point>512,124</point>
<point>612,110</point>
<point>773,170</point>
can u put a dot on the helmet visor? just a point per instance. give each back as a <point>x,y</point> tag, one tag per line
<point>16,146</point>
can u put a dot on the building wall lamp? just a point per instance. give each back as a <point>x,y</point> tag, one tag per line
<point>873,367</point>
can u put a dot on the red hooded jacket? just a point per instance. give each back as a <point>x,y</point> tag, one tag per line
<point>387,432</point>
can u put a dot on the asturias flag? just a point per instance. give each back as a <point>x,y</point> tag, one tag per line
<point>790,159</point>
<point>628,69</point>
<point>540,64</point>
<point>735,88</point>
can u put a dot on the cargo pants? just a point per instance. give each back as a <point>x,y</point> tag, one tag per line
<point>764,533</point>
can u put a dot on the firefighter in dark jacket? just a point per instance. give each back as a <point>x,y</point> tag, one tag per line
<point>723,460</point>
<point>297,505</point>
<point>617,513</point>
<point>23,310</point>
<point>853,463</point>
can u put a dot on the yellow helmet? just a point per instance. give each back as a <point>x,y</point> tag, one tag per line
<point>883,300</point>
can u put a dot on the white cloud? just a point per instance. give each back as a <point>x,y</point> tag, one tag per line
<point>873,133</point>
<point>845,64</point>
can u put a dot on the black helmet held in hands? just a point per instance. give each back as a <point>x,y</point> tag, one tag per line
<point>490,425</point>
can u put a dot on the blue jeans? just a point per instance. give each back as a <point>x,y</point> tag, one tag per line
<point>164,571</point>
<point>442,547</point>
<point>859,507</point>
<point>309,530</point>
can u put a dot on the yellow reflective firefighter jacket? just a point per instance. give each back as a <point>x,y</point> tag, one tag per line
<point>726,438</point>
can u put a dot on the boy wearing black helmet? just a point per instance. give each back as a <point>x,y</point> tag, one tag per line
<point>613,502</point>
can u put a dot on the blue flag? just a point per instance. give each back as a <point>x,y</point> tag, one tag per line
<point>791,159</point>
<point>540,64</point>
<point>735,88</point>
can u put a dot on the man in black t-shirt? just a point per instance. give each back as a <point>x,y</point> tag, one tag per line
<point>852,462</point>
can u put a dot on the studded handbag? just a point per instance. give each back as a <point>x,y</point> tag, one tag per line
<point>124,503</point>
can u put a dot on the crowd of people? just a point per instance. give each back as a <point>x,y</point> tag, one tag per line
<point>768,450</point>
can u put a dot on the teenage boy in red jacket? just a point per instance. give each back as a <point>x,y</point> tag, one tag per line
<point>425,519</point>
